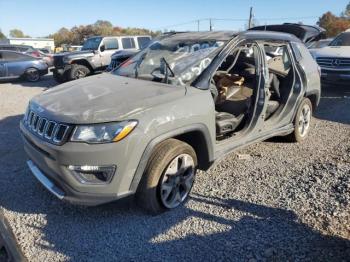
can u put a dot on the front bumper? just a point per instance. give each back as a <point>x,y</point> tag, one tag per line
<point>49,164</point>
<point>60,70</point>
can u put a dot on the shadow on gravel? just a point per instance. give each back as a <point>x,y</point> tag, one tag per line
<point>45,81</point>
<point>120,231</point>
<point>335,104</point>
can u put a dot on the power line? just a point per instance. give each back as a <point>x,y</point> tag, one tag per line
<point>210,20</point>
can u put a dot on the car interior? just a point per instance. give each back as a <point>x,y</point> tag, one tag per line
<point>234,86</point>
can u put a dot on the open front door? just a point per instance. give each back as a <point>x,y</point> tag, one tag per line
<point>240,93</point>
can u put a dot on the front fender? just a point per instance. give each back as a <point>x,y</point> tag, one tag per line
<point>174,133</point>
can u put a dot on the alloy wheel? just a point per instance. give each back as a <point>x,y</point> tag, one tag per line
<point>32,74</point>
<point>304,120</point>
<point>177,181</point>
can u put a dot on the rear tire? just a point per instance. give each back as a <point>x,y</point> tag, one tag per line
<point>32,74</point>
<point>168,178</point>
<point>77,72</point>
<point>302,122</point>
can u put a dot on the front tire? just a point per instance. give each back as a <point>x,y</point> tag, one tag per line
<point>168,178</point>
<point>77,72</point>
<point>302,121</point>
<point>32,74</point>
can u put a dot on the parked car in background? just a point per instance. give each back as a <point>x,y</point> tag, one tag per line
<point>25,49</point>
<point>334,60</point>
<point>119,57</point>
<point>47,57</point>
<point>95,56</point>
<point>44,50</point>
<point>15,65</point>
<point>73,48</point>
<point>320,44</point>
<point>173,108</point>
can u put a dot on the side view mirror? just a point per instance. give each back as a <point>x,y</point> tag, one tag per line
<point>102,48</point>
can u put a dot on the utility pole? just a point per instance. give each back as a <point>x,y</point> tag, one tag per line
<point>198,25</point>
<point>250,23</point>
<point>210,25</point>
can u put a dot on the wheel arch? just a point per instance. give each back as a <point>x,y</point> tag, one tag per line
<point>83,62</point>
<point>314,98</point>
<point>197,136</point>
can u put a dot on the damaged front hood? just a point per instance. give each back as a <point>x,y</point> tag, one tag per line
<point>103,98</point>
<point>76,54</point>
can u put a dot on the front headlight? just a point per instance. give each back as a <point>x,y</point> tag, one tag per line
<point>103,133</point>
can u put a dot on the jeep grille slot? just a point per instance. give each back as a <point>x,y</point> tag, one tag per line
<point>49,130</point>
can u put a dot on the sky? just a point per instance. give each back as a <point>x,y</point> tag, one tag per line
<point>40,18</point>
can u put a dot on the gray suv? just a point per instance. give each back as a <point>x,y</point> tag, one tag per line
<point>173,108</point>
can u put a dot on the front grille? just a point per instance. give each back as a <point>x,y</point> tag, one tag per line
<point>51,131</point>
<point>332,62</point>
<point>58,61</point>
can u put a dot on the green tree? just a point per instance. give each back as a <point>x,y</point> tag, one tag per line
<point>62,36</point>
<point>333,24</point>
<point>17,33</point>
<point>347,10</point>
<point>2,36</point>
<point>103,28</point>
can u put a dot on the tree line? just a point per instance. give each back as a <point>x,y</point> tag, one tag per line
<point>334,24</point>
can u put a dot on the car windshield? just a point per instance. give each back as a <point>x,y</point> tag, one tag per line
<point>342,40</point>
<point>92,43</point>
<point>172,60</point>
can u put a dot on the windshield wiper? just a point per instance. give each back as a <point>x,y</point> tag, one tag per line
<point>138,63</point>
<point>167,70</point>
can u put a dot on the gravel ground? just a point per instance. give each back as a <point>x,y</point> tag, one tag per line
<point>273,201</point>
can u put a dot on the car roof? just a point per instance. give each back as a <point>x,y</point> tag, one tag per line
<point>205,35</point>
<point>15,45</point>
<point>269,35</point>
<point>228,35</point>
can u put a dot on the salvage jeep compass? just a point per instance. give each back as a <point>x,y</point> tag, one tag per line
<point>171,109</point>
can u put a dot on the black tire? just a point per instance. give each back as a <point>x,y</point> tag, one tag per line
<point>149,195</point>
<point>77,72</point>
<point>59,78</point>
<point>298,135</point>
<point>32,74</point>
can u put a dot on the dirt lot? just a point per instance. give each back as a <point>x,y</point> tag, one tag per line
<point>281,202</point>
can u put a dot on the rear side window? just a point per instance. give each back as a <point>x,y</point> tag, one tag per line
<point>11,48</point>
<point>11,56</point>
<point>143,42</point>
<point>128,43</point>
<point>111,43</point>
<point>23,49</point>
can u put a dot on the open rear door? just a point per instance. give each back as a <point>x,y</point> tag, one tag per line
<point>305,33</point>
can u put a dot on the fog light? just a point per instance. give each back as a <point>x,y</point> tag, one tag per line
<point>93,174</point>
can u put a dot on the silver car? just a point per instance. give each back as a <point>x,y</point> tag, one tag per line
<point>16,65</point>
